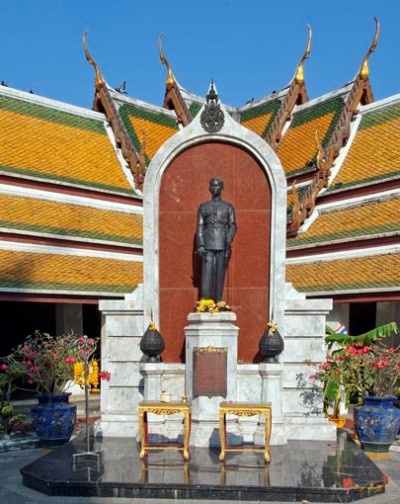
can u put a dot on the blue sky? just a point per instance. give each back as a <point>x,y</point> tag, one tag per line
<point>249,47</point>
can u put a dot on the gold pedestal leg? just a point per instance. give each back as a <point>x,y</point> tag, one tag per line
<point>267,455</point>
<point>186,435</point>
<point>143,436</point>
<point>222,435</point>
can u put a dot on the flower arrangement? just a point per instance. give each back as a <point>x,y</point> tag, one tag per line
<point>210,306</point>
<point>47,362</point>
<point>368,370</point>
<point>363,365</point>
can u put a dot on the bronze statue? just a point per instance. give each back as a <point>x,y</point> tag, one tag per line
<point>216,228</point>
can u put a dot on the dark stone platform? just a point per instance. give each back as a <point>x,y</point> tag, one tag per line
<point>312,470</point>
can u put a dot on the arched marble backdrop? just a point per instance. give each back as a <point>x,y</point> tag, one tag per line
<point>184,186</point>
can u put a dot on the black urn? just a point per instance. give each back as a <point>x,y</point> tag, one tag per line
<point>152,343</point>
<point>271,345</point>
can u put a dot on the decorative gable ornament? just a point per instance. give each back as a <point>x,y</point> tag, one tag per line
<point>212,118</point>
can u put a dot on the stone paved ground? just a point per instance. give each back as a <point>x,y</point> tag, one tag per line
<point>13,492</point>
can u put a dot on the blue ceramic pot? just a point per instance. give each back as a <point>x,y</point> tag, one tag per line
<point>377,423</point>
<point>53,419</point>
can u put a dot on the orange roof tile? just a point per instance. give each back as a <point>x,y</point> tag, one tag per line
<point>297,149</point>
<point>158,127</point>
<point>258,118</point>
<point>41,271</point>
<point>47,143</point>
<point>375,151</point>
<point>380,271</point>
<point>372,218</point>
<point>65,220</point>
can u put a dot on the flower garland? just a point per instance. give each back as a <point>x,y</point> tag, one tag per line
<point>210,306</point>
<point>93,376</point>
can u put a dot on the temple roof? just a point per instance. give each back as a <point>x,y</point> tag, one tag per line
<point>341,275</point>
<point>68,272</point>
<point>65,146</point>
<point>297,150</point>
<point>374,154</point>
<point>70,218</point>
<point>71,180</point>
<point>138,117</point>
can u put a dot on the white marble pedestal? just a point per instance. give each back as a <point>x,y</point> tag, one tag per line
<point>218,331</point>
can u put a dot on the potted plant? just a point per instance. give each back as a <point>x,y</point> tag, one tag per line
<point>46,363</point>
<point>370,369</point>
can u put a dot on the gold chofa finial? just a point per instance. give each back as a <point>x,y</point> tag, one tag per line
<point>170,76</point>
<point>364,71</point>
<point>300,72</point>
<point>99,82</point>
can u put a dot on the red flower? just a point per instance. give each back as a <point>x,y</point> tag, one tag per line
<point>104,375</point>
<point>337,372</point>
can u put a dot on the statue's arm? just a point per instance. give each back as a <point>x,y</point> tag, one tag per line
<point>199,232</point>
<point>232,227</point>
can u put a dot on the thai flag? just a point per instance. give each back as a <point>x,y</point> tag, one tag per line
<point>341,329</point>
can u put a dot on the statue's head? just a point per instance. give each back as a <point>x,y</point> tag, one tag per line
<point>216,186</point>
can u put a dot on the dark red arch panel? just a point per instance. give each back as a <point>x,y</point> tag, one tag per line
<point>183,187</point>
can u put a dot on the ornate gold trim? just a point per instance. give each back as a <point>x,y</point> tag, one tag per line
<point>244,410</point>
<point>299,77</point>
<point>159,408</point>
<point>99,81</point>
<point>210,349</point>
<point>170,81</point>
<point>364,70</point>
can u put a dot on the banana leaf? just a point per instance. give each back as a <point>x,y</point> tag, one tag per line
<point>343,340</point>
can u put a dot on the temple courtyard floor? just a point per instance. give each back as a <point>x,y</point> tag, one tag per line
<point>312,471</point>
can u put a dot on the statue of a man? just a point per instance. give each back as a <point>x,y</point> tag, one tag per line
<point>216,228</point>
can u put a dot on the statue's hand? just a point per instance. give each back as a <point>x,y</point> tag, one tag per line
<point>227,254</point>
<point>200,250</point>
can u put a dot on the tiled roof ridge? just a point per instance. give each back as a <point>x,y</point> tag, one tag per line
<point>103,101</point>
<point>340,92</point>
<point>173,98</point>
<point>129,100</point>
<point>296,92</point>
<point>51,103</point>
<point>261,101</point>
<point>377,105</point>
<point>303,207</point>
<point>362,219</point>
<point>365,200</point>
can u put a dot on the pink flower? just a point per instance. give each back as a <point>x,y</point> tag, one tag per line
<point>337,372</point>
<point>313,377</point>
<point>70,359</point>
<point>90,342</point>
<point>3,367</point>
<point>54,355</point>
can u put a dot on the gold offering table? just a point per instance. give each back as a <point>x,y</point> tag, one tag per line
<point>164,408</point>
<point>245,410</point>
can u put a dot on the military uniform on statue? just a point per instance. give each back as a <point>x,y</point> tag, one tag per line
<point>211,339</point>
<point>216,228</point>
